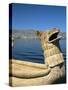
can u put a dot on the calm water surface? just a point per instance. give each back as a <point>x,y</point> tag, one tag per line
<point>30,50</point>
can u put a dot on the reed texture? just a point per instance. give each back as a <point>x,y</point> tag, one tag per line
<point>24,73</point>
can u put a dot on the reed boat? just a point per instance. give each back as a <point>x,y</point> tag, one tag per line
<point>24,73</point>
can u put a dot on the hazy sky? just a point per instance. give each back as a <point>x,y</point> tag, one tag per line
<point>41,17</point>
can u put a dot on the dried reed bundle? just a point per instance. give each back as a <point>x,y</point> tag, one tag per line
<point>50,44</point>
<point>26,73</point>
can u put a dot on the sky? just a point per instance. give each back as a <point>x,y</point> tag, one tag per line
<point>38,17</point>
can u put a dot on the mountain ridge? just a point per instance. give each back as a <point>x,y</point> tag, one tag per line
<point>30,33</point>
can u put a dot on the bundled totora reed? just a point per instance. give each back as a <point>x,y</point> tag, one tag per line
<point>23,73</point>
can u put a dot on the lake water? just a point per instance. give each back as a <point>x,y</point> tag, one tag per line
<point>30,50</point>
